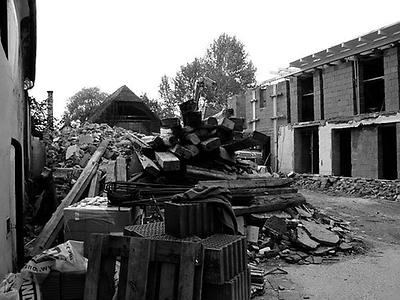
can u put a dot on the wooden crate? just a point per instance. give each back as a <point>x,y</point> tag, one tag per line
<point>150,268</point>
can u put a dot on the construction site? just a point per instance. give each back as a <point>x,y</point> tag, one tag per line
<point>289,191</point>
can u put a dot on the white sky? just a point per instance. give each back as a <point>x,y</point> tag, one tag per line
<point>109,43</point>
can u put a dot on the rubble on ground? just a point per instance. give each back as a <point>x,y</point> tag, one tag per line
<point>298,235</point>
<point>354,186</point>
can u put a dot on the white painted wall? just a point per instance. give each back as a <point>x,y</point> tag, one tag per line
<point>11,126</point>
<point>325,149</point>
<point>286,148</point>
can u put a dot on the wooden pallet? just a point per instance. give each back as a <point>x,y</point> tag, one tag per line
<point>149,268</point>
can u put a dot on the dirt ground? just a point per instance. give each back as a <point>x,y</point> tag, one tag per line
<point>372,275</point>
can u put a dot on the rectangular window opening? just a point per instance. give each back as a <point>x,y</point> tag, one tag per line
<point>306,99</point>
<point>372,85</point>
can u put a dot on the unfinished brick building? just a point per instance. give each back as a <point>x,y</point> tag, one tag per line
<point>338,113</point>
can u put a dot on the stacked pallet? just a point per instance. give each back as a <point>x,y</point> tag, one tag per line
<point>224,270</point>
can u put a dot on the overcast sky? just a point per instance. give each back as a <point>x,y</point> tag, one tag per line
<point>109,43</point>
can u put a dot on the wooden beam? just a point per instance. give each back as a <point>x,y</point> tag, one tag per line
<point>121,169</point>
<point>247,183</point>
<point>148,165</point>
<point>95,185</point>
<point>50,231</point>
<point>271,203</point>
<point>207,173</point>
<point>211,144</point>
<point>110,176</point>
<point>168,161</point>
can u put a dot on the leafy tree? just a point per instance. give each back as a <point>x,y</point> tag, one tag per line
<point>153,104</point>
<point>38,116</point>
<point>225,61</point>
<point>82,105</point>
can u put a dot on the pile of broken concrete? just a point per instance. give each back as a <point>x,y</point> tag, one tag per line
<point>72,146</point>
<point>301,235</point>
<point>355,186</point>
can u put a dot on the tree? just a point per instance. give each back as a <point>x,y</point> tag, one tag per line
<point>153,104</point>
<point>225,61</point>
<point>38,116</point>
<point>82,105</point>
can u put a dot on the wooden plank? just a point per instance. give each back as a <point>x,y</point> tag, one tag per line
<point>148,165</point>
<point>110,175</point>
<point>168,161</point>
<point>167,279</point>
<point>181,151</point>
<point>106,287</point>
<point>208,173</point>
<point>186,272</point>
<point>247,183</point>
<point>95,185</point>
<point>120,169</point>
<point>136,142</point>
<point>122,282</point>
<point>211,144</point>
<point>94,250</point>
<point>271,203</point>
<point>139,258</point>
<point>55,224</point>
<point>192,138</point>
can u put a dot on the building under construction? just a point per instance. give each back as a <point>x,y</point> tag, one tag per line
<point>336,112</point>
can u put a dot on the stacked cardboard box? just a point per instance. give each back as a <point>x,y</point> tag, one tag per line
<point>87,217</point>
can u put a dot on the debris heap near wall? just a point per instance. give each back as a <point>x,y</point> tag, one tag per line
<point>363,187</point>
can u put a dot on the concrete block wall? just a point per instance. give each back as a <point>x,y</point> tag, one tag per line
<point>265,113</point>
<point>294,99</point>
<point>338,91</point>
<point>248,96</point>
<point>391,59</point>
<point>364,156</point>
<point>317,95</point>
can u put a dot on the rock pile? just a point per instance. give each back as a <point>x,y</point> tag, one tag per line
<point>73,145</point>
<point>298,235</point>
<point>363,187</point>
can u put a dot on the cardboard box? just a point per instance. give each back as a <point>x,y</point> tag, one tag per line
<point>80,222</point>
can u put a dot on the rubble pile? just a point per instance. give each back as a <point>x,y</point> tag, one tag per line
<point>73,145</point>
<point>363,187</point>
<point>298,235</point>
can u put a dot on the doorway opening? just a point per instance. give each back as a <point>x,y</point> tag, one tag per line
<point>341,152</point>
<point>387,152</point>
<point>306,145</point>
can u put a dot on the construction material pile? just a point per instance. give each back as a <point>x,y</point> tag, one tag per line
<point>355,186</point>
<point>298,235</point>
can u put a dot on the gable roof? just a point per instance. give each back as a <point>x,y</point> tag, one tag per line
<point>126,95</point>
